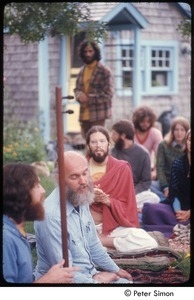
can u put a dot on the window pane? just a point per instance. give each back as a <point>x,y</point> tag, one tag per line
<point>127,65</point>
<point>127,79</point>
<point>160,53</point>
<point>131,53</point>
<point>123,53</point>
<point>160,63</point>
<point>123,63</point>
<point>159,78</point>
<point>167,54</point>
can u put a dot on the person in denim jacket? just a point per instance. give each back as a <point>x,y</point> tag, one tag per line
<point>84,247</point>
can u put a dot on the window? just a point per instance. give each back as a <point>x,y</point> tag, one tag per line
<point>161,71</point>
<point>157,68</point>
<point>160,67</point>
<point>76,61</point>
<point>127,66</point>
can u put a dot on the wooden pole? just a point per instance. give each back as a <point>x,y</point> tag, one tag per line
<point>61,175</point>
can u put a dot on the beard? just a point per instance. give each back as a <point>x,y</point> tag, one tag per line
<point>89,60</point>
<point>35,212</point>
<point>138,126</point>
<point>119,144</point>
<point>97,157</point>
<point>76,198</point>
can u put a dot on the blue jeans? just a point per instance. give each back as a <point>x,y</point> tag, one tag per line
<point>155,188</point>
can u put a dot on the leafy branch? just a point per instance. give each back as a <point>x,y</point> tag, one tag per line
<point>33,21</point>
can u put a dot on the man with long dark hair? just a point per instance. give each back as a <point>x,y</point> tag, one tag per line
<point>23,198</point>
<point>94,88</point>
<point>146,134</point>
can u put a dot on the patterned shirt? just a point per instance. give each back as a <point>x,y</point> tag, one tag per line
<point>100,93</point>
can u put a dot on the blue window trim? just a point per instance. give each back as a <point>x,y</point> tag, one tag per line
<point>147,89</point>
<point>172,87</point>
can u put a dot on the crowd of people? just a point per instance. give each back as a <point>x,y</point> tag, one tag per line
<point>128,182</point>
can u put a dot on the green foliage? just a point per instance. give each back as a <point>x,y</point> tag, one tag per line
<point>22,142</point>
<point>48,184</point>
<point>184,27</point>
<point>33,21</point>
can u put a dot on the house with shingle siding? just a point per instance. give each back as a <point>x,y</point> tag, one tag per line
<point>149,58</point>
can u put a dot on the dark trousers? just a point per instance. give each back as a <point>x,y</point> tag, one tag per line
<point>86,125</point>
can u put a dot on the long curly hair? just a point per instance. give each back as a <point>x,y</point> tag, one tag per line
<point>18,180</point>
<point>141,112</point>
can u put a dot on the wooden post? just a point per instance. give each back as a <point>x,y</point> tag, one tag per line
<point>61,175</point>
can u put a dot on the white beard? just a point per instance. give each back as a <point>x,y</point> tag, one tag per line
<point>76,199</point>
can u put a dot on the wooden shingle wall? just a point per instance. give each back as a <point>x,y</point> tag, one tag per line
<point>21,68</point>
<point>54,69</point>
<point>163,19</point>
<point>20,78</point>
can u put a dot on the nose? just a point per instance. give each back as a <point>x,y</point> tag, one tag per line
<point>98,144</point>
<point>87,53</point>
<point>83,179</point>
<point>42,190</point>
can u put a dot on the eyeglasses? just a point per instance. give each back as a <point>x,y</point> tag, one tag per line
<point>95,143</point>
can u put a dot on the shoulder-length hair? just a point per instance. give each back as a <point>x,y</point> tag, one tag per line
<point>18,181</point>
<point>97,128</point>
<point>141,112</point>
<point>84,44</point>
<point>169,137</point>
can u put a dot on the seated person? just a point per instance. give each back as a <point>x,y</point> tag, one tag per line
<point>139,159</point>
<point>84,247</point>
<point>23,197</point>
<point>176,210</point>
<point>146,134</point>
<point>114,209</point>
<point>171,148</point>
